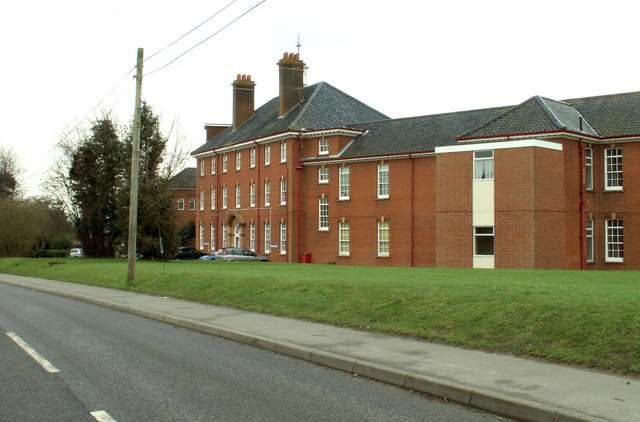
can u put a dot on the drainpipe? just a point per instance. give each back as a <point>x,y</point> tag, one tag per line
<point>300,227</point>
<point>411,230</point>
<point>583,222</point>
<point>258,183</point>
<point>217,209</point>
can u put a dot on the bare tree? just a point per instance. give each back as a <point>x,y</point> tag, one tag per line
<point>10,171</point>
<point>177,152</point>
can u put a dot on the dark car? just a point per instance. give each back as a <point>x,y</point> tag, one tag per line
<point>189,253</point>
<point>239,254</point>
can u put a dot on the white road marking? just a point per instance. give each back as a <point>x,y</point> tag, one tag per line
<point>31,352</point>
<point>102,416</point>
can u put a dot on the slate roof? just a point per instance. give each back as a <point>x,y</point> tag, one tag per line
<point>415,134</point>
<point>323,106</point>
<point>185,179</point>
<point>534,116</point>
<point>611,115</point>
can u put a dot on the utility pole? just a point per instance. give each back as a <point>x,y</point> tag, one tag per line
<point>135,158</point>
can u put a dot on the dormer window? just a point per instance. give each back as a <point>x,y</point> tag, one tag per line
<point>323,146</point>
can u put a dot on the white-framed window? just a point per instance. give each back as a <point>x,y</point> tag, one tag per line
<point>252,236</point>
<point>238,160</point>
<point>201,199</point>
<point>252,194</point>
<point>323,146</point>
<point>212,245</point>
<point>614,241</point>
<point>613,169</point>
<point>180,204</point>
<point>383,238</point>
<point>252,157</point>
<point>267,237</point>
<point>283,152</point>
<point>344,247</point>
<point>323,214</point>
<point>201,233</point>
<point>283,238</point>
<point>238,195</point>
<point>588,168</point>
<point>213,198</point>
<point>343,183</point>
<point>224,235</point>
<point>267,193</point>
<point>484,240</point>
<point>483,164</point>
<point>383,181</point>
<point>225,163</point>
<point>202,167</point>
<point>267,155</point>
<point>283,191</point>
<point>192,204</point>
<point>213,165</point>
<point>225,197</point>
<point>323,175</point>
<point>589,238</point>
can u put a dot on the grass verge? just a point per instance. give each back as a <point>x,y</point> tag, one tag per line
<point>585,318</point>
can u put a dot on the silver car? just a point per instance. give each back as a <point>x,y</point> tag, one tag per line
<point>239,254</point>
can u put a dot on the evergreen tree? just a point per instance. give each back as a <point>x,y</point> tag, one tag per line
<point>95,177</point>
<point>156,217</point>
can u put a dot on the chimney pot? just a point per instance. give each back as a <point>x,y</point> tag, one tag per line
<point>239,77</point>
<point>291,82</point>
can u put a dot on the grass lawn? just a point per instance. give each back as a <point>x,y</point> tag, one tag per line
<point>585,318</point>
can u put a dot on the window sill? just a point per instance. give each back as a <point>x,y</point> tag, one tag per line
<point>383,256</point>
<point>382,198</point>
<point>323,230</point>
<point>347,199</point>
<point>613,190</point>
<point>614,262</point>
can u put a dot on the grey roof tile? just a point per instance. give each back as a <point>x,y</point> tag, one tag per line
<point>323,106</point>
<point>536,115</point>
<point>611,115</point>
<point>185,179</point>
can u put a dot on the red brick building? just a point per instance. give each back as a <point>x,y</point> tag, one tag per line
<point>315,175</point>
<point>184,197</point>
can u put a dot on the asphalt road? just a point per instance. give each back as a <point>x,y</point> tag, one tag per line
<point>130,368</point>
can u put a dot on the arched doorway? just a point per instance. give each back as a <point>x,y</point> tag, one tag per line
<point>236,226</point>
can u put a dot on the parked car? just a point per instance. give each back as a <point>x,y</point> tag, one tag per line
<point>76,253</point>
<point>239,254</point>
<point>207,257</point>
<point>189,253</point>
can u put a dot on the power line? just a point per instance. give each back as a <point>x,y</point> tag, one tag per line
<point>206,39</point>
<point>93,110</point>
<point>191,30</point>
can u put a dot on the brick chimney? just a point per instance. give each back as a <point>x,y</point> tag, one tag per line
<point>243,99</point>
<point>213,129</point>
<point>291,81</point>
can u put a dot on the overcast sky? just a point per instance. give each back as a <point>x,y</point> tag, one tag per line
<point>69,60</point>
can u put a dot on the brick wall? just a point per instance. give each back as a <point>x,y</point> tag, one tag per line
<point>454,236</point>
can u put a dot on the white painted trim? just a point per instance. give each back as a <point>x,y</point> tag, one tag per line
<point>334,159</point>
<point>525,143</point>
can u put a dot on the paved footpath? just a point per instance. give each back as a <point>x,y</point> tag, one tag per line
<point>519,388</point>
